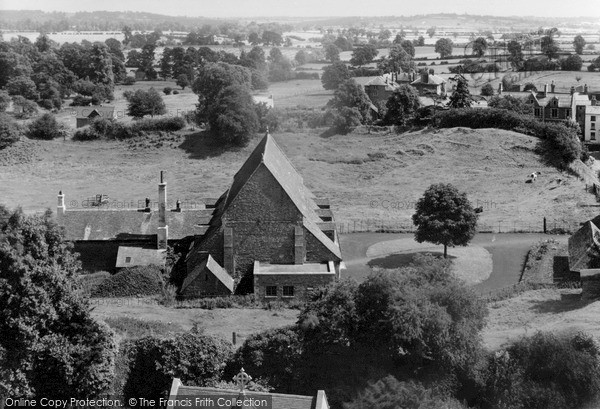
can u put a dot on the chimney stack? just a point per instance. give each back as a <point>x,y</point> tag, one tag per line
<point>552,86</point>
<point>163,229</point>
<point>585,88</point>
<point>500,88</point>
<point>60,208</point>
<point>545,90</point>
<point>572,90</point>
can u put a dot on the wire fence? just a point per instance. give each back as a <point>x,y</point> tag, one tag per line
<point>543,225</point>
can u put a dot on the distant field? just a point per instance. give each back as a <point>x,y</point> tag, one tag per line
<point>366,176</point>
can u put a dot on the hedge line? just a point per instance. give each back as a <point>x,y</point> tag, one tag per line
<point>103,128</point>
<point>131,282</point>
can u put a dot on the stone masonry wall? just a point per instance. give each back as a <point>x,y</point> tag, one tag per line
<point>301,283</point>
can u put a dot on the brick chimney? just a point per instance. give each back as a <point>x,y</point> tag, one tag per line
<point>163,229</point>
<point>552,86</point>
<point>545,90</point>
<point>572,90</point>
<point>500,88</point>
<point>60,208</point>
<point>585,88</point>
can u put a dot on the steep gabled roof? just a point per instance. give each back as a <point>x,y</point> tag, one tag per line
<point>582,245</point>
<point>268,153</point>
<point>214,268</point>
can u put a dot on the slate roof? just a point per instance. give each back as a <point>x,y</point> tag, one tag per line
<point>267,152</point>
<point>380,81</point>
<point>279,400</point>
<point>139,256</point>
<point>107,224</point>
<point>215,269</point>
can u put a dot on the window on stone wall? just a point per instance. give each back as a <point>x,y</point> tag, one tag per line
<point>537,112</point>
<point>593,118</point>
<point>271,291</point>
<point>554,113</point>
<point>593,136</point>
<point>288,290</point>
<point>128,259</point>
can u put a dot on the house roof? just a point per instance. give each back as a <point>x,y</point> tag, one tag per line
<point>278,400</point>
<point>139,256</point>
<point>295,269</point>
<point>214,268</point>
<point>269,154</point>
<point>94,110</point>
<point>592,110</point>
<point>581,246</point>
<point>381,81</point>
<point>107,224</point>
<point>431,80</point>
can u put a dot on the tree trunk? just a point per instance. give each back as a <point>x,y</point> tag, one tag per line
<point>445,251</point>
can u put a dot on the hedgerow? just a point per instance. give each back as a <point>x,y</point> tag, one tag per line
<point>131,282</point>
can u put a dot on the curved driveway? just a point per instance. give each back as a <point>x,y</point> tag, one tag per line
<point>508,254</point>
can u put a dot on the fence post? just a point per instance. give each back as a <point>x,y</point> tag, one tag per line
<point>233,337</point>
<point>545,229</point>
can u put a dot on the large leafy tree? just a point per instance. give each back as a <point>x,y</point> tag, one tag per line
<point>579,43</point>
<point>363,55</point>
<point>443,47</point>
<point>232,115</point>
<point>398,60</point>
<point>351,94</point>
<point>444,216</point>
<point>213,78</point>
<point>515,51</point>
<point>332,53</point>
<point>50,345</point>
<point>402,105</point>
<point>334,75</point>
<point>480,46</point>
<point>142,103</point>
<point>549,47</point>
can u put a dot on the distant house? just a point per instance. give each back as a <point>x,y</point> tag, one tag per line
<point>182,397</point>
<point>379,89</point>
<point>428,83</point>
<point>268,233</point>
<point>85,114</point>
<point>266,99</point>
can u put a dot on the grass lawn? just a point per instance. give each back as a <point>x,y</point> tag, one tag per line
<point>134,317</point>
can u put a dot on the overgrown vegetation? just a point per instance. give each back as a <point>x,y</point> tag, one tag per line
<point>559,142</point>
<point>131,282</point>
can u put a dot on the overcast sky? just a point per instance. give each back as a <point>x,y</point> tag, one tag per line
<point>315,8</point>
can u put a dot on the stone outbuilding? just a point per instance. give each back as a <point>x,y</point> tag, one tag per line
<point>268,233</point>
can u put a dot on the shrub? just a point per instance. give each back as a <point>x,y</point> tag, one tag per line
<point>487,90</point>
<point>544,371</point>
<point>24,108</point>
<point>80,100</point>
<point>141,280</point>
<point>45,127</point>
<point>89,281</point>
<point>129,80</point>
<point>175,92</point>
<point>196,359</point>
<point>302,75</point>
<point>9,131</point>
<point>167,90</point>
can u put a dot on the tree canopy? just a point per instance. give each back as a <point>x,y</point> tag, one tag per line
<point>402,105</point>
<point>334,75</point>
<point>50,345</point>
<point>444,216</point>
<point>443,47</point>
<point>142,103</point>
<point>232,116</point>
<point>461,96</point>
<point>363,55</point>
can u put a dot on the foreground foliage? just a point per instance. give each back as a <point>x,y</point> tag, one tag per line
<point>50,345</point>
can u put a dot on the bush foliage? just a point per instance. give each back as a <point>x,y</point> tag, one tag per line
<point>131,282</point>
